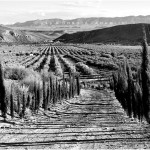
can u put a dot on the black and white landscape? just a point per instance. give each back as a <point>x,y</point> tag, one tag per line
<point>74,74</point>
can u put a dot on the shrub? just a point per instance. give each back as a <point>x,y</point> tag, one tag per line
<point>113,54</point>
<point>30,80</point>
<point>87,70</point>
<point>16,72</point>
<point>56,66</point>
<point>70,66</point>
<point>106,55</point>
<point>24,76</point>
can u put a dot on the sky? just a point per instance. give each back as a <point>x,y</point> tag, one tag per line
<point>12,11</point>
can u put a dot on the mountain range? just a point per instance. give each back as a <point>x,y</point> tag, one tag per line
<point>85,30</point>
<point>93,21</point>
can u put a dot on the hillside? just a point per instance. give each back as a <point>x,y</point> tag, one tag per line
<point>129,34</point>
<point>9,35</point>
<point>48,26</point>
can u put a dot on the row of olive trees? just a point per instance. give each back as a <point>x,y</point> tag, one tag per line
<point>134,93</point>
<point>46,96</point>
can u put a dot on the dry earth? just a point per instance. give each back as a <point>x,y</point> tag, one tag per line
<point>94,120</point>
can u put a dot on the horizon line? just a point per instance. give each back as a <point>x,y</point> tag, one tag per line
<point>78,18</point>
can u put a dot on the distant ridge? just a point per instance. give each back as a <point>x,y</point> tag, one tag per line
<point>93,21</point>
<point>122,34</point>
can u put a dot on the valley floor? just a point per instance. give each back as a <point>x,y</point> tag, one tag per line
<point>94,120</point>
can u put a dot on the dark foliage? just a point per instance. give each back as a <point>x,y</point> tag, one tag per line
<point>3,104</point>
<point>134,93</point>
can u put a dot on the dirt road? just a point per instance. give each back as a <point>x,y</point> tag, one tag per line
<point>95,120</point>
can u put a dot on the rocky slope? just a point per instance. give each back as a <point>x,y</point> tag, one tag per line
<point>9,35</point>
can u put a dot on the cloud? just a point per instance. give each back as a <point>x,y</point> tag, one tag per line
<point>81,3</point>
<point>23,10</point>
<point>43,14</point>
